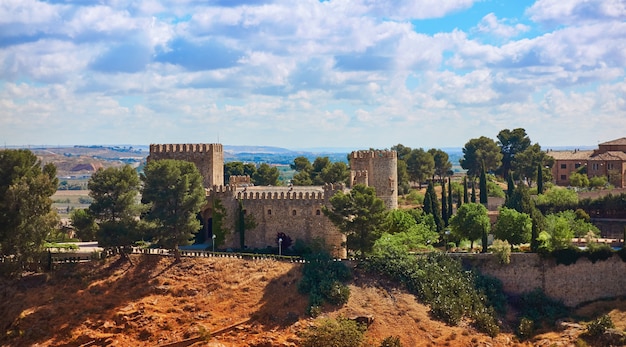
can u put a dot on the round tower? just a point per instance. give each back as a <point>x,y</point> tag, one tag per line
<point>378,169</point>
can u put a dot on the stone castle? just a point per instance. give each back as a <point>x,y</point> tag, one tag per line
<point>293,210</point>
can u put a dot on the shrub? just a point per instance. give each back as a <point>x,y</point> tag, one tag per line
<point>439,281</point>
<point>567,256</point>
<point>597,252</point>
<point>502,250</point>
<point>599,325</point>
<point>415,197</point>
<point>334,332</point>
<point>539,308</point>
<point>525,329</point>
<point>322,279</point>
<point>391,341</point>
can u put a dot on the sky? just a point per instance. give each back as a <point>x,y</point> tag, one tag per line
<point>299,74</point>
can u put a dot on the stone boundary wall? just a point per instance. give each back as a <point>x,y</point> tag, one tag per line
<point>574,284</point>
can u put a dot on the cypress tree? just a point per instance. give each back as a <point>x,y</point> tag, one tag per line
<point>510,186</point>
<point>473,191</point>
<point>539,179</point>
<point>459,201</point>
<point>449,198</point>
<point>465,198</point>
<point>483,187</point>
<point>444,203</point>
<point>434,209</point>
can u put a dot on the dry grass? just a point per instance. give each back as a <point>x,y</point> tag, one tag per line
<point>157,302</point>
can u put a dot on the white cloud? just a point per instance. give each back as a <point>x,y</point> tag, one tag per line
<point>576,12</point>
<point>490,24</point>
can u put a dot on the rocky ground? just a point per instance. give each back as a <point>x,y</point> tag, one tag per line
<point>222,302</point>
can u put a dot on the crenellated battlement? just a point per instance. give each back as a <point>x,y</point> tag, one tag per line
<point>187,148</point>
<point>283,196</point>
<point>373,154</point>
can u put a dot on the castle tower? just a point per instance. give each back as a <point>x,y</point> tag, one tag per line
<point>378,169</point>
<point>208,158</point>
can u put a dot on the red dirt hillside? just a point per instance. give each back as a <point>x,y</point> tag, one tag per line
<point>156,302</point>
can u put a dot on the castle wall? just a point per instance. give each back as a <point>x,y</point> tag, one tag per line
<point>380,170</point>
<point>208,158</point>
<point>297,213</point>
<point>573,284</point>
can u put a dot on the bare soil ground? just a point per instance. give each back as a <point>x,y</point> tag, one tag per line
<point>157,303</point>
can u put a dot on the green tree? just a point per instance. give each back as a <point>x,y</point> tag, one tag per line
<point>470,222</point>
<point>558,197</point>
<point>303,169</point>
<point>115,207</point>
<point>266,175</point>
<point>26,213</point>
<point>527,162</point>
<point>510,187</point>
<point>444,204</point>
<point>244,222</point>
<point>174,194</point>
<point>420,165</point>
<point>237,168</point>
<point>403,178</point>
<point>483,187</point>
<point>358,214</point>
<point>450,208</point>
<point>403,175</point>
<point>337,172</point>
<point>115,193</point>
<point>84,224</point>
<point>300,164</point>
<point>539,179</point>
<point>511,143</point>
<point>465,195</point>
<point>558,233</point>
<point>479,152</point>
<point>431,205</point>
<point>442,162</point>
<point>218,228</point>
<point>513,227</point>
<point>578,180</point>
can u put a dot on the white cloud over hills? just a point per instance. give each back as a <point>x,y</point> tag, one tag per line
<point>340,73</point>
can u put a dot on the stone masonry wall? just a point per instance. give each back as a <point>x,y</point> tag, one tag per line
<point>298,214</point>
<point>573,284</point>
<point>380,170</point>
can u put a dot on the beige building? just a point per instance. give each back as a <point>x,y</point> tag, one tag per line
<point>609,160</point>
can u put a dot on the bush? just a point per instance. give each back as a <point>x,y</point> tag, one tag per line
<point>439,281</point>
<point>540,309</point>
<point>337,333</point>
<point>391,341</point>
<point>502,250</point>
<point>599,325</point>
<point>597,252</point>
<point>322,279</point>
<point>415,197</point>
<point>567,256</point>
<point>525,329</point>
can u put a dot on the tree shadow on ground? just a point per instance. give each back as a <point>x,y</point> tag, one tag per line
<point>281,304</point>
<point>92,294</point>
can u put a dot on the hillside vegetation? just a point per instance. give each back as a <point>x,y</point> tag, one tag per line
<point>157,302</point>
